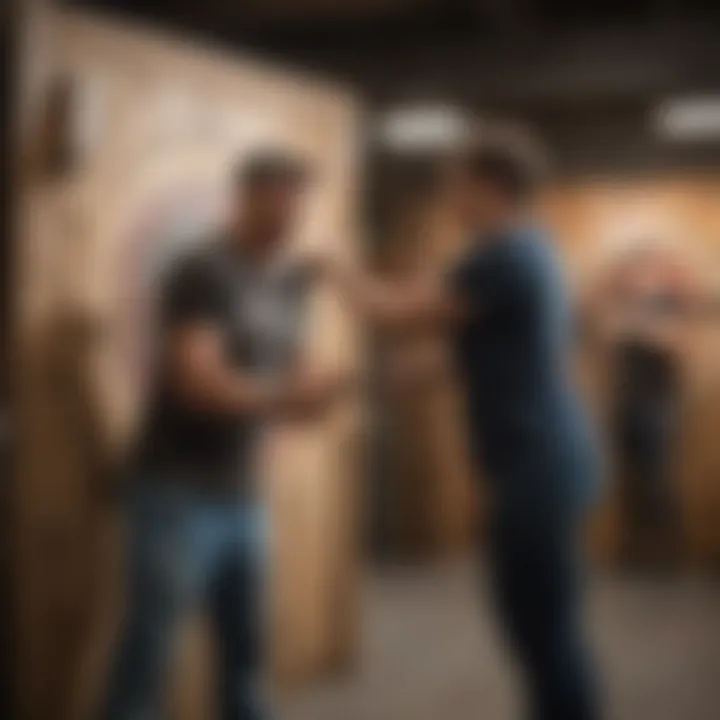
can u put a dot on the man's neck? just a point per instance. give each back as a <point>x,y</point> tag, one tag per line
<point>500,226</point>
<point>251,250</point>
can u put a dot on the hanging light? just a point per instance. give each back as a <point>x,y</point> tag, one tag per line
<point>689,119</point>
<point>423,128</point>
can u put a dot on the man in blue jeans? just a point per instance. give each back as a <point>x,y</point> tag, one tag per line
<point>230,319</point>
<point>504,309</point>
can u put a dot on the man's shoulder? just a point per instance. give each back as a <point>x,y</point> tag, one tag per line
<point>527,251</point>
<point>198,275</point>
<point>203,259</point>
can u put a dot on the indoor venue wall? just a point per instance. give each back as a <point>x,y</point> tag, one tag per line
<point>425,503</point>
<point>143,136</point>
<point>430,507</point>
<point>593,222</point>
<point>7,77</point>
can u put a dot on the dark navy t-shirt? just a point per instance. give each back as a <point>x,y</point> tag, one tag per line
<point>528,428</point>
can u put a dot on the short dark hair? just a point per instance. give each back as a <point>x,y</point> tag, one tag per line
<point>511,160</point>
<point>266,167</point>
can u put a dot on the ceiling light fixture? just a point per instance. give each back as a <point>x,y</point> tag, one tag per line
<point>423,128</point>
<point>689,119</point>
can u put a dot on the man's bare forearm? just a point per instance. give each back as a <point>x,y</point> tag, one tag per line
<point>235,393</point>
<point>416,370</point>
<point>203,378</point>
<point>403,305</point>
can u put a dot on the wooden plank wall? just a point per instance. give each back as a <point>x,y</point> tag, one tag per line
<point>592,220</point>
<point>162,121</point>
<point>434,508</point>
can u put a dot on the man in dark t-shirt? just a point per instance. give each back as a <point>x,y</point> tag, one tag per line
<point>229,322</point>
<point>503,307</point>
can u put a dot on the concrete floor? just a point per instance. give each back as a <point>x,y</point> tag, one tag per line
<point>432,652</point>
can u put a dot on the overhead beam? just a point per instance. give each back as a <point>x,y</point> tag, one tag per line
<point>572,67</point>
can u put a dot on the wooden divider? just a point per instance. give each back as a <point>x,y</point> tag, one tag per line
<point>590,221</point>
<point>593,221</point>
<point>152,127</point>
<point>434,489</point>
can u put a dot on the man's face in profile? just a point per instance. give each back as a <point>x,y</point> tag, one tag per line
<point>270,210</point>
<point>478,201</point>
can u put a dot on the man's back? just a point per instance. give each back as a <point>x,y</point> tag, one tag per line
<point>513,355</point>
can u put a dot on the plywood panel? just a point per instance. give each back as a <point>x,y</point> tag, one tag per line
<point>591,222</point>
<point>434,483</point>
<point>162,122</point>
<point>594,221</point>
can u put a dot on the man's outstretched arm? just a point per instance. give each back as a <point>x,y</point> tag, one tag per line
<point>415,369</point>
<point>421,304</point>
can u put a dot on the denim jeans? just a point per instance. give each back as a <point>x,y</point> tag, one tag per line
<point>185,548</point>
<point>537,578</point>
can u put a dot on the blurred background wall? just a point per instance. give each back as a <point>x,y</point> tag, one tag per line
<point>593,78</point>
<point>7,85</point>
<point>126,143</point>
<point>593,219</point>
<point>596,218</point>
<point>603,84</point>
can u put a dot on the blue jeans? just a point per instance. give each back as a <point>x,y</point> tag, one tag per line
<point>185,548</point>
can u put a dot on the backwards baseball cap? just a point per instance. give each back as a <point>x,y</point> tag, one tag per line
<point>271,166</point>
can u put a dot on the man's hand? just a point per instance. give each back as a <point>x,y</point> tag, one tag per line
<point>310,394</point>
<point>414,305</point>
<point>415,369</point>
<point>317,264</point>
<point>204,379</point>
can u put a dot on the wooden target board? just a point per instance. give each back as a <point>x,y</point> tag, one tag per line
<point>155,129</point>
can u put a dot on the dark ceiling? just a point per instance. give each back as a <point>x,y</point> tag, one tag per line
<point>470,49</point>
<point>587,71</point>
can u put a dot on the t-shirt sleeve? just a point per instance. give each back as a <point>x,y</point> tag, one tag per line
<point>192,292</point>
<point>497,280</point>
